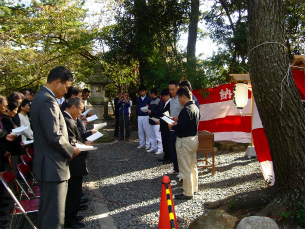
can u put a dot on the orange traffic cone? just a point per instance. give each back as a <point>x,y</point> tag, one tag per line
<point>167,218</point>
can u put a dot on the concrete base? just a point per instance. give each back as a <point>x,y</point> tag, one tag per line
<point>250,152</point>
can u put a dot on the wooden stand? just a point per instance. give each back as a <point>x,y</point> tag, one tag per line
<point>206,146</point>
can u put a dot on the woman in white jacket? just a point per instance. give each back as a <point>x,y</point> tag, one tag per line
<point>24,119</point>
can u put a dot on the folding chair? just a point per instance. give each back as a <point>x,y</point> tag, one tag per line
<point>26,160</point>
<point>30,152</point>
<point>33,191</point>
<point>20,207</point>
<point>29,162</point>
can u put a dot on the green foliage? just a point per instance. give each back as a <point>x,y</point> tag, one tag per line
<point>36,38</point>
<point>286,214</point>
<point>300,214</point>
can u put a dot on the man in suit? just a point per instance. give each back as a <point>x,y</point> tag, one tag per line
<point>77,165</point>
<point>52,148</point>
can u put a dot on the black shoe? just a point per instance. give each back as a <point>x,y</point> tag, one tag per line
<point>82,194</point>
<point>75,224</point>
<point>183,197</point>
<point>83,200</point>
<point>82,207</point>
<point>79,217</point>
<point>4,205</point>
<point>167,162</point>
<point>3,222</point>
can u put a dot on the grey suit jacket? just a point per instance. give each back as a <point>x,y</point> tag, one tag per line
<point>51,142</point>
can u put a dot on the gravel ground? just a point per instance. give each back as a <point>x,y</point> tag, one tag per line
<point>131,188</point>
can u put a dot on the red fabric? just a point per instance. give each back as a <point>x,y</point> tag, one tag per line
<point>228,124</point>
<point>261,145</point>
<point>299,78</point>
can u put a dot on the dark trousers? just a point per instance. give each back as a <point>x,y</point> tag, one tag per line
<point>173,150</point>
<point>117,126</point>
<point>52,202</point>
<point>73,197</point>
<point>165,135</point>
<point>2,168</point>
<point>127,131</point>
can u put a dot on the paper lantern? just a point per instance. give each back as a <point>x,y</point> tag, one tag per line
<point>240,95</point>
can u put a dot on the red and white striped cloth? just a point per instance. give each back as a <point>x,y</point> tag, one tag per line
<point>220,116</point>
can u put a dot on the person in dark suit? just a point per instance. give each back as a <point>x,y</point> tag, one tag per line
<point>77,165</point>
<point>165,132</point>
<point>117,114</point>
<point>52,148</point>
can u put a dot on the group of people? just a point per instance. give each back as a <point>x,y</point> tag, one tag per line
<point>56,126</point>
<point>177,141</point>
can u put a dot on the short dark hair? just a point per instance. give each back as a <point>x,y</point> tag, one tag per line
<point>85,90</point>
<point>175,82</point>
<point>73,90</point>
<point>23,91</point>
<point>184,91</point>
<point>12,105</point>
<point>165,92</point>
<point>60,72</point>
<point>32,91</point>
<point>25,102</point>
<point>14,97</point>
<point>142,88</point>
<point>154,91</point>
<point>186,83</point>
<point>75,101</point>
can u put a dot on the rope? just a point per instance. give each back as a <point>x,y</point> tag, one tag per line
<point>268,42</point>
<point>286,76</point>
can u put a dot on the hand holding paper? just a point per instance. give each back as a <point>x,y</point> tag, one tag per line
<point>92,118</point>
<point>94,136</point>
<point>99,126</point>
<point>83,147</point>
<point>168,120</point>
<point>86,112</point>
<point>144,109</point>
<point>19,130</point>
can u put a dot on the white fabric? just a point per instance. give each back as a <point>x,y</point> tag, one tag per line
<point>268,172</point>
<point>155,138</point>
<point>24,121</point>
<point>210,111</point>
<point>240,137</point>
<point>186,154</point>
<point>143,131</point>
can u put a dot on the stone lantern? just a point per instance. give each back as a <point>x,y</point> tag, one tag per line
<point>98,82</point>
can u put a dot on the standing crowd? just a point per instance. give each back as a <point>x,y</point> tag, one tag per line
<point>176,140</point>
<point>56,125</point>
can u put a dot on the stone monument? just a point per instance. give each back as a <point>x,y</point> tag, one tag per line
<point>98,82</point>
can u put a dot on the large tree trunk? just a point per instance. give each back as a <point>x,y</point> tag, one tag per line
<point>192,36</point>
<point>284,127</point>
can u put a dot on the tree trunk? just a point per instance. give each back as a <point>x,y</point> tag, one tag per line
<point>284,127</point>
<point>192,36</point>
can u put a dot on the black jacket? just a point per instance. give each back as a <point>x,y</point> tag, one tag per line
<point>156,107</point>
<point>13,147</point>
<point>77,165</point>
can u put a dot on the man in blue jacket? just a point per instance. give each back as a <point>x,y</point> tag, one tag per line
<point>124,105</point>
<point>143,119</point>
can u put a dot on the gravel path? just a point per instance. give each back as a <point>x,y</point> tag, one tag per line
<point>131,190</point>
<point>127,194</point>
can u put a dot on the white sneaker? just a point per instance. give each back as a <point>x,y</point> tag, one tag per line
<point>179,175</point>
<point>170,172</point>
<point>147,148</point>
<point>140,147</point>
<point>151,151</point>
<point>159,152</point>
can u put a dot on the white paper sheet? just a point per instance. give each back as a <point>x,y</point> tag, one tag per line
<point>95,136</point>
<point>155,119</point>
<point>168,120</point>
<point>99,126</point>
<point>86,112</point>
<point>83,147</point>
<point>92,118</point>
<point>144,109</point>
<point>27,142</point>
<point>19,130</point>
